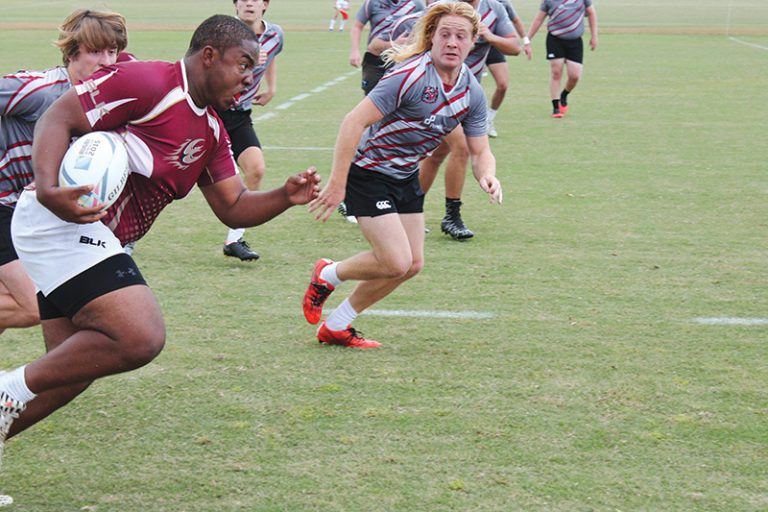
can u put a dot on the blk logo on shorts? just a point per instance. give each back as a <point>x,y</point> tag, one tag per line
<point>383,205</point>
<point>90,241</point>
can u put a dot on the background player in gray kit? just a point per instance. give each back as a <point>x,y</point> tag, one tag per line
<point>87,40</point>
<point>375,165</point>
<point>564,45</point>
<point>237,120</point>
<point>91,295</point>
<point>499,69</point>
<point>496,30</point>
<point>381,15</point>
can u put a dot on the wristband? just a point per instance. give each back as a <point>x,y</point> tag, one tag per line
<point>526,41</point>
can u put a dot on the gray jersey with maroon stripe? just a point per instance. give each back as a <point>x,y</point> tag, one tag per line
<point>495,17</point>
<point>566,17</point>
<point>24,97</point>
<point>418,114</point>
<point>270,41</point>
<point>382,15</point>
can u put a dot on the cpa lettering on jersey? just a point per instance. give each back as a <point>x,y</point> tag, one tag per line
<point>383,205</point>
<point>190,151</point>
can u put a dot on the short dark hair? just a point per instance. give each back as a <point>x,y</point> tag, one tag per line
<point>221,32</point>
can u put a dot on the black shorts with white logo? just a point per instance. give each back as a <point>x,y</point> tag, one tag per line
<point>107,276</point>
<point>371,193</point>
<point>568,49</point>
<point>7,252</point>
<point>239,127</point>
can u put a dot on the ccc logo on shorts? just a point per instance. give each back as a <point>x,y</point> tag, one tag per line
<point>383,205</point>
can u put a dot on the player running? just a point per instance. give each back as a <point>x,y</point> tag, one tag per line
<point>237,120</point>
<point>376,165</point>
<point>99,316</point>
<point>496,30</point>
<point>340,8</point>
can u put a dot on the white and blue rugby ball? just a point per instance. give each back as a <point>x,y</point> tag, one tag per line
<point>99,159</point>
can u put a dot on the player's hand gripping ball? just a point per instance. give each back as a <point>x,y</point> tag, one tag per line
<point>99,159</point>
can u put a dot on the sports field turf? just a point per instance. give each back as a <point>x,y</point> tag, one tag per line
<point>620,357</point>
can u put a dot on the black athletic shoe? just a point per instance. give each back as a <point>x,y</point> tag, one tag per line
<point>453,225</point>
<point>240,249</point>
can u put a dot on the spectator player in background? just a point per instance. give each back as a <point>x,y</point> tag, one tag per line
<point>375,165</point>
<point>496,30</point>
<point>91,292</point>
<point>87,40</point>
<point>564,45</point>
<point>245,143</point>
<point>340,10</point>
<point>497,65</point>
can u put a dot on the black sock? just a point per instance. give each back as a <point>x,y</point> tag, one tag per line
<point>555,106</point>
<point>564,96</point>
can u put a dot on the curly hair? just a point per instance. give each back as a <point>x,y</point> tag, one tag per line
<point>221,32</point>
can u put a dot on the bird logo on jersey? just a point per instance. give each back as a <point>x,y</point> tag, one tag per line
<point>429,94</point>
<point>188,153</point>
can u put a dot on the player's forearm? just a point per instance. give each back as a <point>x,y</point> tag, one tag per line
<point>506,45</point>
<point>536,24</point>
<point>592,19</point>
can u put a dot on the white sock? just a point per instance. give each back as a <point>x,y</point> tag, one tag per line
<point>328,274</point>
<point>234,235</point>
<point>15,385</point>
<point>341,317</point>
<point>330,27</point>
<point>491,115</point>
<point>341,26</point>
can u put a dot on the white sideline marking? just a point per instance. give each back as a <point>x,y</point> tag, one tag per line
<point>429,314</point>
<point>291,102</point>
<point>745,43</point>
<point>731,321</point>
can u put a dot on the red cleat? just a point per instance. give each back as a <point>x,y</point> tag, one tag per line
<point>317,293</point>
<point>557,115</point>
<point>349,337</point>
<point>563,109</point>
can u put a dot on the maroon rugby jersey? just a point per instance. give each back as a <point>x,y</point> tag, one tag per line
<point>172,143</point>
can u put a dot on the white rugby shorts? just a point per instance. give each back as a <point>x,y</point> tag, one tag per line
<point>54,251</point>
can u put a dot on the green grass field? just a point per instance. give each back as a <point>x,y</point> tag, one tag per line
<point>592,387</point>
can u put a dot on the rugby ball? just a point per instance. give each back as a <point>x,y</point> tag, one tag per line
<point>99,159</point>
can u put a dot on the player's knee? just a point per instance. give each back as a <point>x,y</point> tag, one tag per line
<point>143,345</point>
<point>416,266</point>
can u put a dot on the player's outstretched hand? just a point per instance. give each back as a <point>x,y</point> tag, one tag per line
<point>327,201</point>
<point>492,186</point>
<point>62,201</point>
<point>303,187</point>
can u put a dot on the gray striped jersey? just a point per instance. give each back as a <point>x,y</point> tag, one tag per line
<point>418,114</point>
<point>24,97</point>
<point>382,15</point>
<point>270,41</point>
<point>566,17</point>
